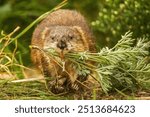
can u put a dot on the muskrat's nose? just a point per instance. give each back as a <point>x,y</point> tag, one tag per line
<point>61,44</point>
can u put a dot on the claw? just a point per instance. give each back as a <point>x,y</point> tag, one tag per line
<point>75,87</point>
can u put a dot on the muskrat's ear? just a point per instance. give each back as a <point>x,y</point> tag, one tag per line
<point>83,36</point>
<point>45,32</point>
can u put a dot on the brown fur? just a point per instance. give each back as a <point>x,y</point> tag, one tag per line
<point>61,25</point>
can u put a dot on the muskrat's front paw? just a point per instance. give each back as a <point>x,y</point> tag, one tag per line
<point>57,86</point>
<point>57,89</point>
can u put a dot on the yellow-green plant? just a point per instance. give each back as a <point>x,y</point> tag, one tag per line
<point>7,55</point>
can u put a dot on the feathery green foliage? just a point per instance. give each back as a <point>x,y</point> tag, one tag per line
<point>125,65</point>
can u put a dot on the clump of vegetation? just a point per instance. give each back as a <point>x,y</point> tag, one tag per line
<point>8,61</point>
<point>125,66</point>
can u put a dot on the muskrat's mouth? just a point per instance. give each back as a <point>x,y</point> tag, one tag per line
<point>62,52</point>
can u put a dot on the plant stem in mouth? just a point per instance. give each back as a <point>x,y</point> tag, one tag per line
<point>62,55</point>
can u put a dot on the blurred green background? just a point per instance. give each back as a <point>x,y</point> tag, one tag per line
<point>109,19</point>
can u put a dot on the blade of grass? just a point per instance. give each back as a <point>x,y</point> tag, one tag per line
<point>63,3</point>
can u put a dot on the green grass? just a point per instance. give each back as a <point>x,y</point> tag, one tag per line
<point>26,91</point>
<point>37,91</point>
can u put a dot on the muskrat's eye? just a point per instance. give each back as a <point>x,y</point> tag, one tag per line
<point>70,36</point>
<point>52,37</point>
